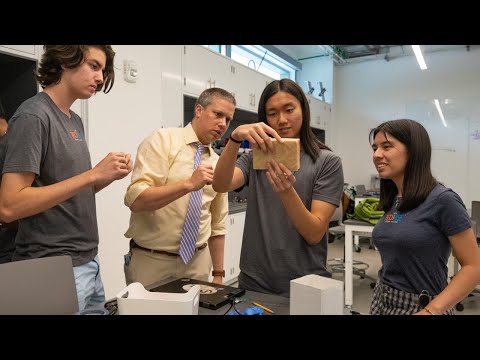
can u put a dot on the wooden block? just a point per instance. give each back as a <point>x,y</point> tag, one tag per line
<point>287,153</point>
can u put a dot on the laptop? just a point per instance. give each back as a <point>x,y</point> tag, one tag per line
<point>43,286</point>
<point>212,296</point>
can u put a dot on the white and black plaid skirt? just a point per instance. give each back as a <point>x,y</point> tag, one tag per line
<point>389,301</point>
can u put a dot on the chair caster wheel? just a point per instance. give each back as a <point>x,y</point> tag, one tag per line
<point>372,285</point>
<point>358,249</point>
<point>459,307</point>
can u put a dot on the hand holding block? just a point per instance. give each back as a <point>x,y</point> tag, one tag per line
<point>287,153</point>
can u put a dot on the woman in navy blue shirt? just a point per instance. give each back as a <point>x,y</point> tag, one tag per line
<point>423,222</point>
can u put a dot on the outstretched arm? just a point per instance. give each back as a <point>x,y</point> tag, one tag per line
<point>226,176</point>
<point>19,199</point>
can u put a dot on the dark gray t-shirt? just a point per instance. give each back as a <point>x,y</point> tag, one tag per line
<point>7,234</point>
<point>273,252</point>
<point>43,140</point>
<point>414,246</point>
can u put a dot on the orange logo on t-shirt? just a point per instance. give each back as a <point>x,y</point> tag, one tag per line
<point>74,134</point>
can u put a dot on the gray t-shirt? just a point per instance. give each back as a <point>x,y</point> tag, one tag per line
<point>273,252</point>
<point>414,246</point>
<point>43,140</point>
<point>7,234</point>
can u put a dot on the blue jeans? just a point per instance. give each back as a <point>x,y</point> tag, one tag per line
<point>89,285</point>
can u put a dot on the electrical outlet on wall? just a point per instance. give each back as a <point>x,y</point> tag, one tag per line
<point>130,71</point>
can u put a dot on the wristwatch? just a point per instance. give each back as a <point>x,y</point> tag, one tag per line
<point>218,273</point>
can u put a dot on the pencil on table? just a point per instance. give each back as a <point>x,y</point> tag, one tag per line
<point>264,308</point>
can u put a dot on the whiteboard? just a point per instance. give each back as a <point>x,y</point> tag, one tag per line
<point>456,147</point>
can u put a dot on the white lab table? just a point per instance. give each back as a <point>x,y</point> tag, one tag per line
<point>352,228</point>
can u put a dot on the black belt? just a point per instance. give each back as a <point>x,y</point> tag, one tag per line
<point>133,244</point>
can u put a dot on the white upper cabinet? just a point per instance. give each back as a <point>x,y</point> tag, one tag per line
<point>320,113</point>
<point>171,85</point>
<point>27,51</point>
<point>247,85</point>
<point>204,69</point>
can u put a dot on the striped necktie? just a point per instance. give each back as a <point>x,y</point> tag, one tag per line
<point>192,220</point>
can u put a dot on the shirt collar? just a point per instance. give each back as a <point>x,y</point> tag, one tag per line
<point>191,137</point>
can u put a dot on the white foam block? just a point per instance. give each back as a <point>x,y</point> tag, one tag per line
<point>316,295</point>
<point>135,300</point>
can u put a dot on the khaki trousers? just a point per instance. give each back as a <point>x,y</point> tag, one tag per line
<point>148,268</point>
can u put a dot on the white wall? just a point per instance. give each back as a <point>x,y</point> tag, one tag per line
<point>315,70</point>
<point>119,121</point>
<point>369,93</point>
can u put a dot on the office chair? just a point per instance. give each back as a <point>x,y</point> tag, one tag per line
<point>43,286</point>
<point>337,265</point>
<point>476,231</point>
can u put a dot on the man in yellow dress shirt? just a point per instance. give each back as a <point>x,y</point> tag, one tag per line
<point>162,180</point>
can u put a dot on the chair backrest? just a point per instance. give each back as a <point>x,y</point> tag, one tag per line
<point>44,286</point>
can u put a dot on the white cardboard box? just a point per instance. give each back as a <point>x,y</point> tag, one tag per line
<point>135,300</point>
<point>316,295</point>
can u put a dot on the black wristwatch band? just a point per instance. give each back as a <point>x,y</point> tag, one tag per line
<point>235,140</point>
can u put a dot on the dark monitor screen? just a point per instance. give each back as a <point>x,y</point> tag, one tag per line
<point>17,82</point>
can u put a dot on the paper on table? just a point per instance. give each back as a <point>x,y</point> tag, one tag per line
<point>287,153</point>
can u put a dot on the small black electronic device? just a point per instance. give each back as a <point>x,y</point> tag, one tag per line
<point>212,296</point>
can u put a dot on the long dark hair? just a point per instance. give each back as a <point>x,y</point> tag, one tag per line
<point>309,141</point>
<point>70,56</point>
<point>418,180</point>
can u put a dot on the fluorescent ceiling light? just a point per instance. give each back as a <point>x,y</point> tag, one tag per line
<point>419,55</point>
<point>439,109</point>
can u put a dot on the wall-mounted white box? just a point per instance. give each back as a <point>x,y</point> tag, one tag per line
<point>316,295</point>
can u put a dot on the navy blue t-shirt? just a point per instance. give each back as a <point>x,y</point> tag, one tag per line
<point>414,246</point>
